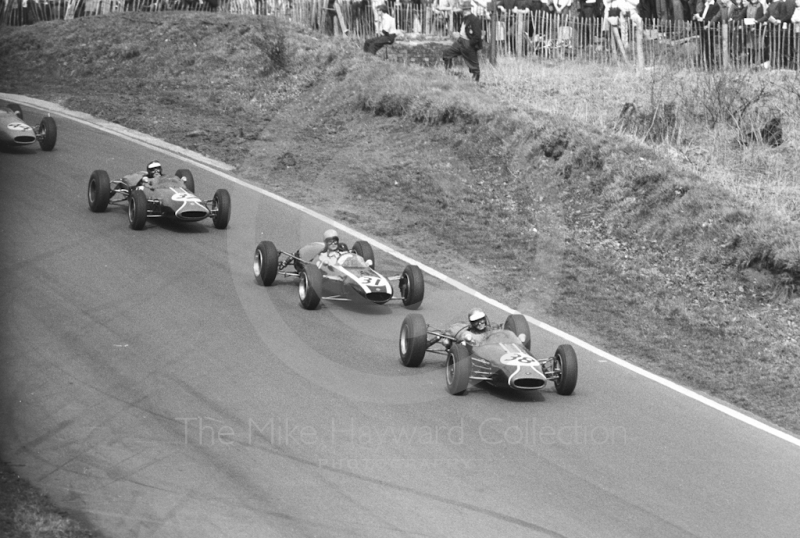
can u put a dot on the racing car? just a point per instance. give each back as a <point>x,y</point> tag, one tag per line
<point>502,358</point>
<point>15,132</point>
<point>171,197</point>
<point>345,275</point>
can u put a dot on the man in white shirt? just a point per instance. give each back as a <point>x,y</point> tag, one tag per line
<point>387,34</point>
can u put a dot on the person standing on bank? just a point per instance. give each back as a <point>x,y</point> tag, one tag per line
<point>467,42</point>
<point>387,33</point>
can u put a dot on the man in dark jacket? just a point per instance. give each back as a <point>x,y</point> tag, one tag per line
<point>468,42</point>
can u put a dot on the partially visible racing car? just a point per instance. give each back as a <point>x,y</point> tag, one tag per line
<point>502,357</point>
<point>344,275</point>
<point>15,132</point>
<point>166,196</point>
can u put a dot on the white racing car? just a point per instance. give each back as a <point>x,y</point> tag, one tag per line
<point>342,275</point>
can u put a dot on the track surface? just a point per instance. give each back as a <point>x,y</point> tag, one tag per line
<point>146,380</point>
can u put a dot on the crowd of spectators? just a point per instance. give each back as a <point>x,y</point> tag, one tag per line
<point>754,31</point>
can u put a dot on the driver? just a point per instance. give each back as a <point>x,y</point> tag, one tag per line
<point>150,175</point>
<point>329,248</point>
<point>473,332</point>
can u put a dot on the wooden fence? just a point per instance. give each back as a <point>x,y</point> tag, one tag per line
<point>532,35</point>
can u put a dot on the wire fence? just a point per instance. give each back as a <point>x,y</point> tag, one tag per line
<point>527,34</point>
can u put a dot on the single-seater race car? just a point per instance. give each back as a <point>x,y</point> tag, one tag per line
<point>15,132</point>
<point>344,275</point>
<point>171,197</point>
<point>501,357</point>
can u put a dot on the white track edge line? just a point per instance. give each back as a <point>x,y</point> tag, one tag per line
<point>221,169</point>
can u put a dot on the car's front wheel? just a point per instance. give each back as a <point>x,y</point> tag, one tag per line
<point>413,340</point>
<point>458,368</point>
<point>48,133</point>
<point>412,286</point>
<point>221,209</point>
<point>310,288</point>
<point>137,209</point>
<point>265,263</point>
<point>99,191</point>
<point>566,362</point>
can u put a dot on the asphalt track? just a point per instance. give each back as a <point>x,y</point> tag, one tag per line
<point>147,381</point>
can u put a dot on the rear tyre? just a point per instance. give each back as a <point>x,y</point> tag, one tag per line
<point>48,128</point>
<point>566,360</point>
<point>412,287</point>
<point>188,179</point>
<point>99,191</point>
<point>265,263</point>
<point>17,110</point>
<point>364,249</point>
<point>517,324</point>
<point>310,288</point>
<point>457,369</point>
<point>222,209</point>
<point>137,209</point>
<point>413,340</point>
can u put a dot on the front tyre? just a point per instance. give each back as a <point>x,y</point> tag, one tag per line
<point>364,249</point>
<point>265,263</point>
<point>221,209</point>
<point>187,178</point>
<point>517,324</point>
<point>413,340</point>
<point>566,361</point>
<point>310,288</point>
<point>99,191</point>
<point>412,287</point>
<point>137,209</point>
<point>457,369</point>
<point>48,133</point>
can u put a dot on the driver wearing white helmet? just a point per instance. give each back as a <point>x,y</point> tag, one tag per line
<point>470,333</point>
<point>150,175</point>
<point>329,248</point>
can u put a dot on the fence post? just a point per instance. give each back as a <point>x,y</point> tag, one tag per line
<point>725,42</point>
<point>639,31</point>
<point>493,35</point>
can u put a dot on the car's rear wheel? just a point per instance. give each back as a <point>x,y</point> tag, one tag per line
<point>458,368</point>
<point>17,110</point>
<point>48,133</point>
<point>566,361</point>
<point>364,249</point>
<point>265,263</point>
<point>222,209</point>
<point>413,340</point>
<point>137,209</point>
<point>310,288</point>
<point>99,191</point>
<point>517,324</point>
<point>412,286</point>
<point>188,179</point>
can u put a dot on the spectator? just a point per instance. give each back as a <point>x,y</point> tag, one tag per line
<point>387,34</point>
<point>467,42</point>
<point>443,14</point>
<point>778,39</point>
<point>705,11</point>
<point>589,11</point>
<point>752,41</point>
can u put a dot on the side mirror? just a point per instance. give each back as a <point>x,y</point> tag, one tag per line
<point>370,263</point>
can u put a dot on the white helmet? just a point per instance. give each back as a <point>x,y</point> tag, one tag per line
<point>330,235</point>
<point>152,168</point>
<point>477,319</point>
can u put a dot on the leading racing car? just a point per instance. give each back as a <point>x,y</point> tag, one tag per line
<point>15,132</point>
<point>342,275</point>
<point>500,357</point>
<point>163,196</point>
